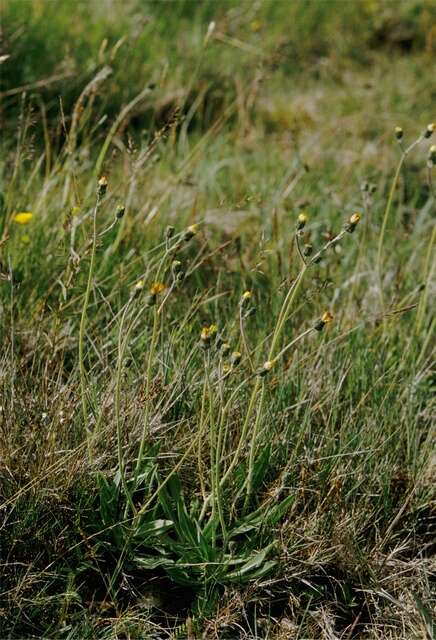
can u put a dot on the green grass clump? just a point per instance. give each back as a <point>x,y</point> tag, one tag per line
<point>215,381</point>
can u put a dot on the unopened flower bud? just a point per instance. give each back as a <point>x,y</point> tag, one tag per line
<point>429,131</point>
<point>307,250</point>
<point>432,156</point>
<point>102,186</point>
<point>138,287</point>
<point>399,133</point>
<point>225,348</point>
<point>121,210</point>
<point>266,368</point>
<point>169,232</point>
<point>190,232</point>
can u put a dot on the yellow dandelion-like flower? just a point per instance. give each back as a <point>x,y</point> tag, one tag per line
<point>24,217</point>
<point>207,333</point>
<point>190,232</point>
<point>157,288</point>
<point>266,368</point>
<point>352,222</point>
<point>102,186</point>
<point>326,318</point>
<point>235,358</point>
<point>139,285</point>
<point>302,219</point>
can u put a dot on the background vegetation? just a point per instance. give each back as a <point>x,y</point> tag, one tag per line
<point>154,488</point>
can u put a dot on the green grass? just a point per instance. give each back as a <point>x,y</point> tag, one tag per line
<point>149,487</point>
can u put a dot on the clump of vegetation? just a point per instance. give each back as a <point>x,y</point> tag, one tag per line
<point>215,388</point>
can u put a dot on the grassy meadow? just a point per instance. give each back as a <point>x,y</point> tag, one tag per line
<point>217,335</point>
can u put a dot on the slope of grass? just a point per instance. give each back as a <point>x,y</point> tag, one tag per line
<point>153,483</point>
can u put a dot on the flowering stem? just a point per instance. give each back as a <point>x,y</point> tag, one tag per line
<point>121,349</point>
<point>82,369</point>
<point>146,428</point>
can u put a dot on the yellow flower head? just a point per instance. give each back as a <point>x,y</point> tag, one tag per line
<point>207,333</point>
<point>190,232</point>
<point>245,298</point>
<point>23,218</point>
<point>235,358</point>
<point>355,219</point>
<point>139,286</point>
<point>102,186</point>
<point>327,317</point>
<point>157,288</point>
<point>301,221</point>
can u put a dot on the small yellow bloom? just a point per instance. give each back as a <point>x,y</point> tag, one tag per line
<point>75,211</point>
<point>190,232</point>
<point>23,218</point>
<point>207,333</point>
<point>266,368</point>
<point>327,317</point>
<point>246,295</point>
<point>157,288</point>
<point>139,285</point>
<point>355,219</point>
<point>235,358</point>
<point>302,219</point>
<point>102,186</point>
